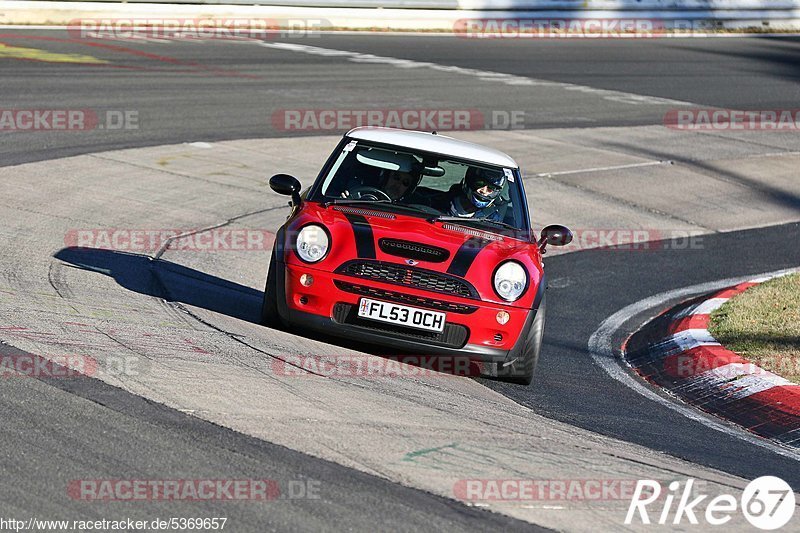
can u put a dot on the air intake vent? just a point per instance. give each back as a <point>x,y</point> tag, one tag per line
<point>413,250</point>
<point>418,278</point>
<point>401,297</point>
<point>474,232</point>
<point>364,212</point>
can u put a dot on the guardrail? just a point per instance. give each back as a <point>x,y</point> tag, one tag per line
<point>510,5</point>
<point>430,15</point>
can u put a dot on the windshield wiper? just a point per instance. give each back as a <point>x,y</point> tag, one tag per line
<point>447,218</point>
<point>395,203</point>
<point>345,201</point>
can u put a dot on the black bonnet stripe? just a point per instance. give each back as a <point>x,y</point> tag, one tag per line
<point>365,242</point>
<point>465,255</point>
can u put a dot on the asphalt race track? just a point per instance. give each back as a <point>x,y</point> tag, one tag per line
<point>211,91</point>
<point>592,280</point>
<point>208,92</point>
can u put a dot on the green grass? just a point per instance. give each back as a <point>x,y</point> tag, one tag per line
<point>762,324</point>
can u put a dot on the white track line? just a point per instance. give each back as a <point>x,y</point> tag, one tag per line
<point>603,169</point>
<point>602,353</point>
<point>484,75</point>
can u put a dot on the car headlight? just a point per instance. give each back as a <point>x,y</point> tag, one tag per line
<point>312,243</point>
<point>510,280</point>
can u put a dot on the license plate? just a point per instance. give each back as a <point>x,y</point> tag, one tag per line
<point>402,315</point>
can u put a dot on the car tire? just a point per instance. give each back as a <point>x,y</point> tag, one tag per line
<point>269,307</point>
<point>521,371</point>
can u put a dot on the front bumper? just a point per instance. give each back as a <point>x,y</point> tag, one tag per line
<point>329,305</point>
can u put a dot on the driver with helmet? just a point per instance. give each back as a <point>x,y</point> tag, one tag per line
<point>399,185</point>
<point>397,177</point>
<point>479,195</point>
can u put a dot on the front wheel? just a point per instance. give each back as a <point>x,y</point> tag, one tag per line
<point>521,370</point>
<point>269,307</point>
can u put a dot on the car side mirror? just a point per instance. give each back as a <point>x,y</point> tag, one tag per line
<point>286,185</point>
<point>554,235</point>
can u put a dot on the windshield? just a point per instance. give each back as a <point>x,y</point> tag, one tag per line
<point>437,186</point>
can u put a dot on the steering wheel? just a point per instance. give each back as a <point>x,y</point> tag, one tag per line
<point>365,192</point>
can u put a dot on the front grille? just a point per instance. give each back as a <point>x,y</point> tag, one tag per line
<point>453,335</point>
<point>413,250</point>
<point>418,278</point>
<point>420,301</point>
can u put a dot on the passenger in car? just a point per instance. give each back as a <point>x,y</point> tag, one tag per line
<point>477,196</point>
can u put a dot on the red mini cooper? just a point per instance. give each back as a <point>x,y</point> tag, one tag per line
<point>417,242</point>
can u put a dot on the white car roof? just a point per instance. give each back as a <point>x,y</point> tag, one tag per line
<point>439,144</point>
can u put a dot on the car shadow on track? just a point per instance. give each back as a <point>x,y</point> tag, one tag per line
<point>178,283</point>
<point>171,281</point>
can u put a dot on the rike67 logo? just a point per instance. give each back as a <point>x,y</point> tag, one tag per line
<point>767,503</point>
